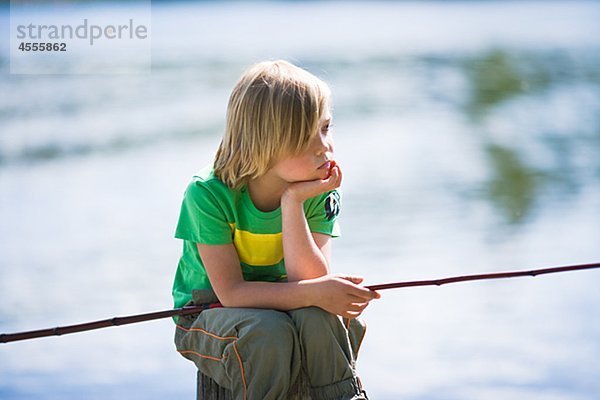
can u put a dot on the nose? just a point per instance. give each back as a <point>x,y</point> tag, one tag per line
<point>324,144</point>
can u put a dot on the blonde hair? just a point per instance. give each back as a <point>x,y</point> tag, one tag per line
<point>273,112</point>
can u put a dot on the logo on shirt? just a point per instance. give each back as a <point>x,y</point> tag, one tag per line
<point>332,205</point>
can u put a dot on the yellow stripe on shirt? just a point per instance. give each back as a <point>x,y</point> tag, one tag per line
<point>258,249</point>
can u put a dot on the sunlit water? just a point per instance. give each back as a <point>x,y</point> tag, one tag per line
<point>469,137</point>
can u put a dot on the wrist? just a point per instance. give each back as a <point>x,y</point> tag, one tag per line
<point>289,197</point>
<point>309,293</point>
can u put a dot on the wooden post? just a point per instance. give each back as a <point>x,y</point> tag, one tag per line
<point>208,389</point>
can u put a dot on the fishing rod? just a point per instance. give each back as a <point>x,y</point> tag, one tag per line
<point>479,277</point>
<point>189,310</point>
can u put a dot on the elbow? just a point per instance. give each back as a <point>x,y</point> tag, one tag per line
<point>229,297</point>
<point>316,270</point>
<point>227,300</point>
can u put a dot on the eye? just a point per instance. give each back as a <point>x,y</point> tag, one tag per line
<point>326,127</point>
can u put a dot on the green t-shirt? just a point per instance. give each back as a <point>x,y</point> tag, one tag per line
<point>212,213</point>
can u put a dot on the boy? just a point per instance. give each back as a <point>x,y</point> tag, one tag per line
<point>270,193</point>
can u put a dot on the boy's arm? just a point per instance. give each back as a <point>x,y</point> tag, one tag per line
<point>306,255</point>
<point>337,294</point>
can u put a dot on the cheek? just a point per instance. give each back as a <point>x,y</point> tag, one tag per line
<point>295,169</point>
<point>297,166</point>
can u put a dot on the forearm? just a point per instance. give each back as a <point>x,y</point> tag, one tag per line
<point>336,294</point>
<point>271,295</point>
<point>303,259</point>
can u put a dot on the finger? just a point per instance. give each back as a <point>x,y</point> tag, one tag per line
<point>357,307</point>
<point>361,291</point>
<point>353,279</point>
<point>333,177</point>
<point>365,293</point>
<point>331,165</point>
<point>357,299</point>
<point>374,294</point>
<point>337,177</point>
<point>351,314</point>
<point>337,171</point>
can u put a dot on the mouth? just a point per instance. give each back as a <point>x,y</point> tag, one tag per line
<point>325,165</point>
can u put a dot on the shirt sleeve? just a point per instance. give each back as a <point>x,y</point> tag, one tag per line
<point>202,220</point>
<point>322,213</point>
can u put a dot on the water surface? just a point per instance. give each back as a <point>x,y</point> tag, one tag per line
<point>469,137</point>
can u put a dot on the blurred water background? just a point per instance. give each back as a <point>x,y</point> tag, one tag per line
<point>469,137</point>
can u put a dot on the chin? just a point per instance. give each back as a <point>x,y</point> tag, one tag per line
<point>313,177</point>
<point>298,177</point>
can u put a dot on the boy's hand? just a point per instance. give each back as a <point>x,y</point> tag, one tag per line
<point>342,295</point>
<point>301,191</point>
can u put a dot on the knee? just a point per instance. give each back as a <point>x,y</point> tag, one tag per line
<point>270,327</point>
<point>313,319</point>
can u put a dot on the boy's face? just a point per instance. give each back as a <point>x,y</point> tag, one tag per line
<point>313,163</point>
